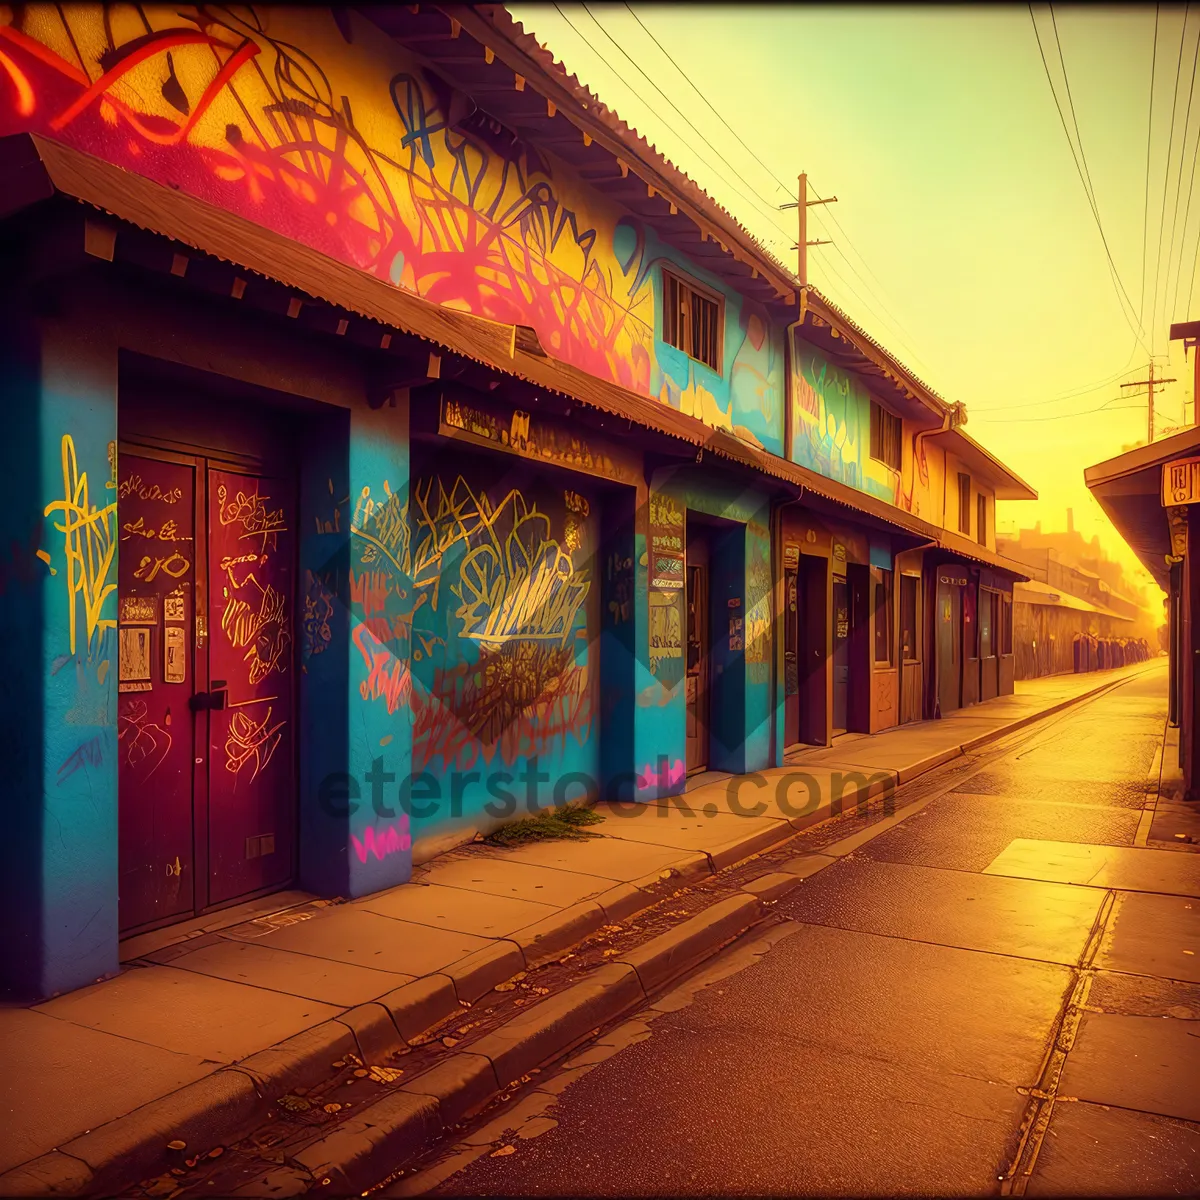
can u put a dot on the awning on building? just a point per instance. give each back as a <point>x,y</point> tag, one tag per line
<point>1129,489</point>
<point>1033,591</point>
<point>964,548</point>
<point>33,168</point>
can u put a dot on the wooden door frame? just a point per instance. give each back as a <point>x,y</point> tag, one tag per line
<point>167,450</point>
<point>704,608</point>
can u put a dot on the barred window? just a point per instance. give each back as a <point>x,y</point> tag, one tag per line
<point>886,432</point>
<point>692,321</point>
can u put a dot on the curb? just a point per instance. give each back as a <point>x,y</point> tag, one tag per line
<point>393,1131</point>
<point>228,1104</point>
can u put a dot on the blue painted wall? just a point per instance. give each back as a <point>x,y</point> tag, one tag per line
<point>507,578</point>
<point>58,597</point>
<point>742,705</point>
<point>748,396</point>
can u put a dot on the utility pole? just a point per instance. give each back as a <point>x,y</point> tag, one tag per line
<point>802,204</point>
<point>1151,384</point>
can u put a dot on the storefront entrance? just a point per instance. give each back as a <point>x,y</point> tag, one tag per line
<point>206,603</point>
<point>841,654</point>
<point>696,680</point>
<point>949,645</point>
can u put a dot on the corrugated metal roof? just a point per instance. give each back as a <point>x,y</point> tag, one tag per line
<point>214,231</point>
<point>1033,591</point>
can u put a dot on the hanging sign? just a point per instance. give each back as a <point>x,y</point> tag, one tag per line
<point>1181,482</point>
<point>953,580</point>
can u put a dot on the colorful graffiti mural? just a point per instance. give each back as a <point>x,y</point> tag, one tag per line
<point>274,114</point>
<point>474,614</point>
<point>831,425</point>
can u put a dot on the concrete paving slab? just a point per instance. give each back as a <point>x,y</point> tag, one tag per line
<point>1173,818</point>
<point>612,859</point>
<point>966,829</point>
<point>148,943</point>
<point>493,871</point>
<point>1149,934</point>
<point>1126,868</point>
<point>341,984</point>
<point>702,829</point>
<point>45,1095</point>
<point>1145,1063</point>
<point>1091,1150</point>
<point>352,935</point>
<point>189,1013</point>
<point>458,909</point>
<point>1027,919</point>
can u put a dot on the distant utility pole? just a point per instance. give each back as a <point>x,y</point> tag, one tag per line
<point>802,203</point>
<point>1151,384</point>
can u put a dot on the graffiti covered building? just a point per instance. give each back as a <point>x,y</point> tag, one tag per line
<point>401,446</point>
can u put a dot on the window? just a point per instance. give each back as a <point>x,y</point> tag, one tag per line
<point>987,620</point>
<point>883,617</point>
<point>692,322</point>
<point>964,504</point>
<point>1006,628</point>
<point>981,509</point>
<point>886,432</point>
<point>909,590</point>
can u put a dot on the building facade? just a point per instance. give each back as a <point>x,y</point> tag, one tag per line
<point>400,446</point>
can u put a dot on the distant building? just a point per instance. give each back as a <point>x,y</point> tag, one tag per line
<point>1075,591</point>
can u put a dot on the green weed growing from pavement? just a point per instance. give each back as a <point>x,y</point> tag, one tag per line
<point>565,822</point>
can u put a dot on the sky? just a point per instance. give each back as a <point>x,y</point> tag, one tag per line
<point>964,238</point>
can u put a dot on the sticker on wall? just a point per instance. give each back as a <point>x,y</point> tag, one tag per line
<point>668,571</point>
<point>666,629</point>
<point>133,659</point>
<point>735,633</point>
<point>174,654</point>
<point>139,610</point>
<point>839,552</point>
<point>173,607</point>
<point>791,555</point>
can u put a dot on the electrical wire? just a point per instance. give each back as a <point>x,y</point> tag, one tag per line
<point>1188,205</point>
<point>878,310</point>
<point>772,211</point>
<point>1162,220</point>
<point>1187,120</point>
<point>1146,193</point>
<point>891,317</point>
<point>687,77</point>
<point>1065,416</point>
<point>1091,203</point>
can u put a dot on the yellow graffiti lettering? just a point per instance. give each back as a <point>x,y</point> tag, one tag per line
<point>174,565</point>
<point>89,546</point>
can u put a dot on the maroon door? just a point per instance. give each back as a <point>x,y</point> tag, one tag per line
<point>156,512</point>
<point>205,602</point>
<point>250,793</point>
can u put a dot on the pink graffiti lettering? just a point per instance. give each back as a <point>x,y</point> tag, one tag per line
<point>651,777</point>
<point>392,840</point>
<point>388,677</point>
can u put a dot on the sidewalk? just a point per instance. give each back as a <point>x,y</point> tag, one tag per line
<point>196,999</point>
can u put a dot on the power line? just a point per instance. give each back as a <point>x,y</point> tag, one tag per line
<point>1188,207</point>
<point>1063,416</point>
<point>1162,220</point>
<point>786,187</point>
<point>1079,170</point>
<point>772,212</point>
<point>879,309</point>
<point>1146,194</point>
<point>578,33</point>
<point>889,317</point>
<point>1187,120</point>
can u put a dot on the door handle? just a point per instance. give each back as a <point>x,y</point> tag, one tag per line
<point>214,699</point>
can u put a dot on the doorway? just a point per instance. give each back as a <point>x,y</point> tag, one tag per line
<point>206,682</point>
<point>949,647</point>
<point>841,654</point>
<point>696,680</point>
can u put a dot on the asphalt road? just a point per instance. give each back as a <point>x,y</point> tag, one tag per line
<point>885,1037</point>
